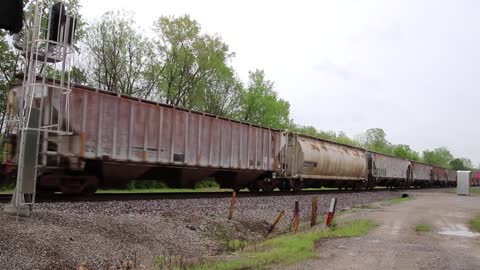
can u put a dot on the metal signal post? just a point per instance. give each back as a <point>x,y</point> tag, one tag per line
<point>35,119</point>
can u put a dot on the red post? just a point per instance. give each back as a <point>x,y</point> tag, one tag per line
<point>331,212</point>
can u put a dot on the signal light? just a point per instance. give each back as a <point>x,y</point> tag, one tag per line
<point>58,24</point>
<point>11,15</point>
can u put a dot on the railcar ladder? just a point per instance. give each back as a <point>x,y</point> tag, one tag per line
<point>43,103</point>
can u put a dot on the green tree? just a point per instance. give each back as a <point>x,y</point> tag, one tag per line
<point>119,56</point>
<point>457,164</point>
<point>9,67</point>
<point>192,68</point>
<point>344,139</point>
<point>376,140</point>
<point>404,151</point>
<point>440,156</point>
<point>327,135</point>
<point>261,105</point>
<point>461,164</point>
<point>305,130</point>
<point>221,96</point>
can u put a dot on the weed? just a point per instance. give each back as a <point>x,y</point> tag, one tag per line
<point>422,228</point>
<point>333,224</point>
<point>207,183</point>
<point>475,223</point>
<point>288,248</point>
<point>398,200</point>
<point>174,262</point>
<point>236,244</point>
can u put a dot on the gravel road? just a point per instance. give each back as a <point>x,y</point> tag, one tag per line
<point>108,234</point>
<point>395,244</point>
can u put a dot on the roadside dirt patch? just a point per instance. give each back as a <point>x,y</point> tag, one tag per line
<point>395,244</point>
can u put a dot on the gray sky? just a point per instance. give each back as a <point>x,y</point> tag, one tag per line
<point>409,67</point>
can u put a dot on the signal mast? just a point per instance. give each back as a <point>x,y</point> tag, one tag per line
<point>39,111</point>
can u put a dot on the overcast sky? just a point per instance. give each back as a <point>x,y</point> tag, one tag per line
<point>409,67</point>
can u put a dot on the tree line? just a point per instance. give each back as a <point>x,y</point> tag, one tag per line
<point>179,64</point>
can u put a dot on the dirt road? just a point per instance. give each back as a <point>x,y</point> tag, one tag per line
<point>395,244</point>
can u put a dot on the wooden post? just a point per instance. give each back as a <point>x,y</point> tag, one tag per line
<point>280,215</point>
<point>296,217</point>
<point>232,206</point>
<point>313,220</point>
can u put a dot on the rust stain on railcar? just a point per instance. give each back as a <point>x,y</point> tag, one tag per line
<point>439,174</point>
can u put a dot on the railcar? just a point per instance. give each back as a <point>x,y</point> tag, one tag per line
<point>451,178</point>
<point>313,162</point>
<point>421,174</point>
<point>386,170</point>
<point>475,178</point>
<point>117,138</point>
<point>114,139</point>
<point>440,176</point>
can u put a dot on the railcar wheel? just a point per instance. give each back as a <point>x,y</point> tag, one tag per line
<point>284,186</point>
<point>356,186</point>
<point>370,184</point>
<point>254,187</point>
<point>267,186</point>
<point>297,186</point>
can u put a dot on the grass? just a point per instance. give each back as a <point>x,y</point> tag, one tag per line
<point>6,191</point>
<point>398,200</point>
<point>146,190</point>
<point>236,244</point>
<point>287,249</point>
<point>473,190</point>
<point>475,223</point>
<point>162,190</point>
<point>422,228</point>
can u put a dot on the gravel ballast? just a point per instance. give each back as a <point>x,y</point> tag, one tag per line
<point>103,235</point>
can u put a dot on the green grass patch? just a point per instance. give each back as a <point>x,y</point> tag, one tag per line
<point>6,191</point>
<point>398,200</point>
<point>473,190</point>
<point>287,249</point>
<point>162,190</point>
<point>422,228</point>
<point>237,244</point>
<point>475,223</point>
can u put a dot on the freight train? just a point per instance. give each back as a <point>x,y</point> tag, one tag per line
<point>117,138</point>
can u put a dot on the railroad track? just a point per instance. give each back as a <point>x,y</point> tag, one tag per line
<point>5,198</point>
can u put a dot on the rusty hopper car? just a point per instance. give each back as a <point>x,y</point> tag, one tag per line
<point>452,178</point>
<point>118,138</point>
<point>421,174</point>
<point>440,176</point>
<point>386,170</point>
<point>315,162</point>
